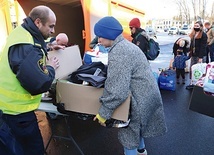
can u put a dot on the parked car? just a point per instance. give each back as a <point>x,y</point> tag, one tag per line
<point>173,30</point>
<point>184,30</point>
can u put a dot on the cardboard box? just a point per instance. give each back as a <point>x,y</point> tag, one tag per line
<point>69,60</point>
<point>77,97</point>
<point>85,99</point>
<point>201,102</point>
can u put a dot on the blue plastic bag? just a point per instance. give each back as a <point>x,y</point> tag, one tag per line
<point>167,80</point>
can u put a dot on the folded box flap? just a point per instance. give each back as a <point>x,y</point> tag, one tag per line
<point>69,59</point>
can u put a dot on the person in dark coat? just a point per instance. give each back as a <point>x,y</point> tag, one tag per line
<point>128,73</point>
<point>26,73</point>
<point>93,43</point>
<point>140,38</point>
<point>197,47</point>
<point>181,44</point>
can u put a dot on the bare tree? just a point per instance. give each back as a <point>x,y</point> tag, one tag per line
<point>194,9</point>
<point>212,14</point>
<point>184,11</point>
<point>204,6</point>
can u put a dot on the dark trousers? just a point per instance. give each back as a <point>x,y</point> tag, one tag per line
<point>210,53</point>
<point>180,72</point>
<point>26,135</point>
<point>207,53</point>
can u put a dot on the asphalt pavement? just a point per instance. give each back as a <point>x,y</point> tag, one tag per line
<point>189,133</point>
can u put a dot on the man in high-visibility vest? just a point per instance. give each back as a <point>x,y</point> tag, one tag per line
<point>26,73</point>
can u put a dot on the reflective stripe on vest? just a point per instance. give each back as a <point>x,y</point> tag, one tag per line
<point>14,99</point>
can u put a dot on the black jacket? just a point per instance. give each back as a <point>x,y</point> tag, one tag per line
<point>185,48</point>
<point>24,62</point>
<point>140,40</point>
<point>200,45</point>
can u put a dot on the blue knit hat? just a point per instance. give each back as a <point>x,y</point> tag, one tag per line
<point>108,28</point>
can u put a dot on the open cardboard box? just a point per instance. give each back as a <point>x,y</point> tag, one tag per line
<point>77,97</point>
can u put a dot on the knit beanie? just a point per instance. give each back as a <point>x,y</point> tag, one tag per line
<point>108,27</point>
<point>135,22</point>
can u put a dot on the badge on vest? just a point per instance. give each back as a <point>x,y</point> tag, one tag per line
<point>42,66</point>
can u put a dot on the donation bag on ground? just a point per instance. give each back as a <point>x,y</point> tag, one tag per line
<point>197,71</point>
<point>209,78</point>
<point>167,80</point>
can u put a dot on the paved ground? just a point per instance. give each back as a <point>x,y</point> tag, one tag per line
<point>189,133</point>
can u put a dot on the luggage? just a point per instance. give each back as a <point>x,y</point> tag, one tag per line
<point>167,79</point>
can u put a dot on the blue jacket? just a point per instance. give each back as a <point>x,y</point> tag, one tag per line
<point>180,61</point>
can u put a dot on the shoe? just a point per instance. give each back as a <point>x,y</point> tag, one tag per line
<point>189,87</point>
<point>142,152</point>
<point>183,81</point>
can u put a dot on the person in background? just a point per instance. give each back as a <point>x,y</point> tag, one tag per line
<point>128,73</point>
<point>181,43</point>
<point>210,45</point>
<point>60,42</point>
<point>93,43</point>
<point>207,27</point>
<point>197,47</point>
<point>139,35</point>
<point>179,64</point>
<point>26,73</point>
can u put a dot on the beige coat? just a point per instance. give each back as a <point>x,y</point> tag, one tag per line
<point>210,36</point>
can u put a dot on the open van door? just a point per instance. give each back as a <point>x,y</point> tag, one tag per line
<point>76,18</point>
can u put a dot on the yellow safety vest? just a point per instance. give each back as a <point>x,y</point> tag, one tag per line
<point>14,99</point>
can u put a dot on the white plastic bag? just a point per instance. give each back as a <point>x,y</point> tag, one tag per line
<point>209,78</point>
<point>197,72</point>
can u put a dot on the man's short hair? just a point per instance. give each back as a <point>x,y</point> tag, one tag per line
<point>41,12</point>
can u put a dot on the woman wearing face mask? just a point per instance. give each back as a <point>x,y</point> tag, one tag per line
<point>197,47</point>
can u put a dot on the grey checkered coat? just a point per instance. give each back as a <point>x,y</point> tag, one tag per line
<point>130,72</point>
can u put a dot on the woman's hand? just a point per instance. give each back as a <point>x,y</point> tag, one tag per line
<point>100,120</point>
<point>200,60</point>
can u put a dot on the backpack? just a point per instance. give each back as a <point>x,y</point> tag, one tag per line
<point>153,49</point>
